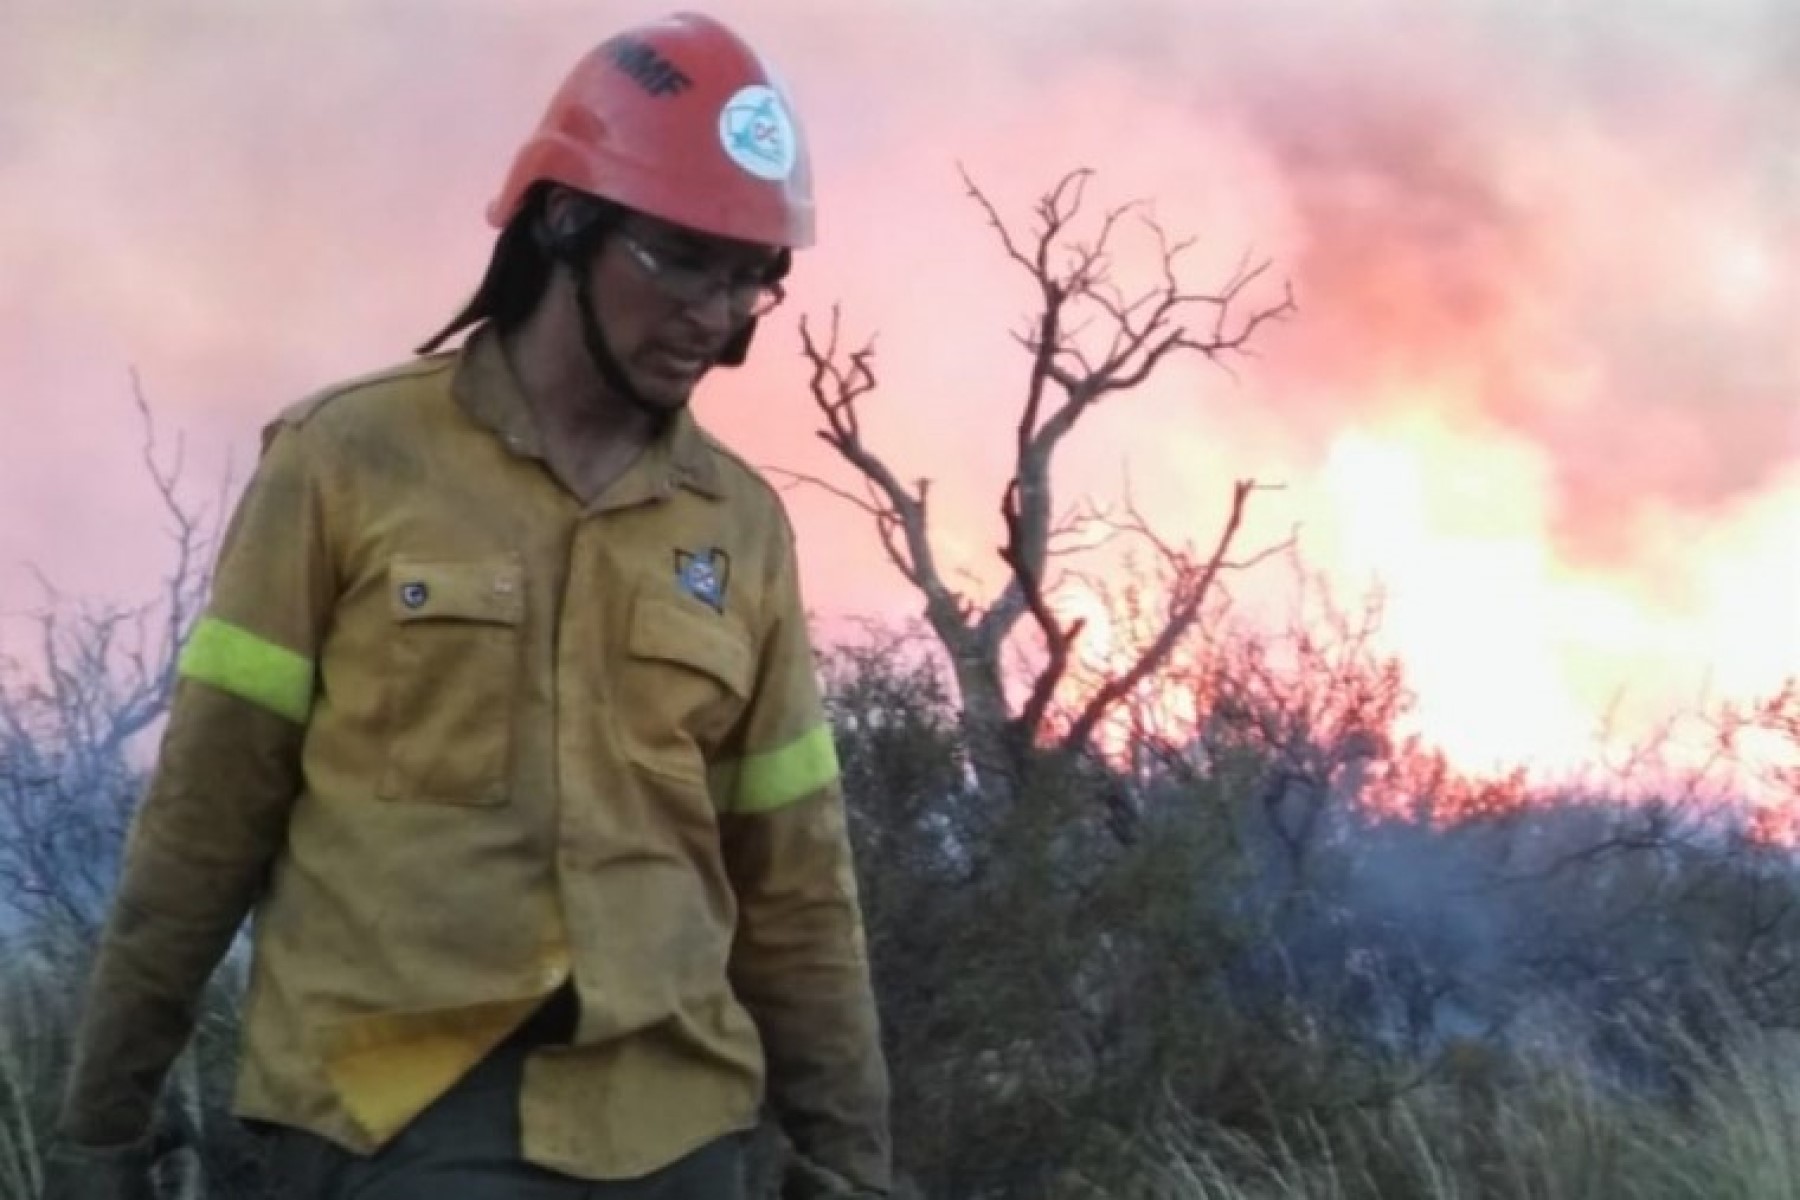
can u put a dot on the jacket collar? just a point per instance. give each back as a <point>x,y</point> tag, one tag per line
<point>487,390</point>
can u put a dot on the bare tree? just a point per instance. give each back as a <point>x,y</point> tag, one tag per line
<point>100,678</point>
<point>1088,342</point>
<point>97,681</point>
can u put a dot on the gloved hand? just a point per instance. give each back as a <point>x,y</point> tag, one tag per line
<point>99,1172</point>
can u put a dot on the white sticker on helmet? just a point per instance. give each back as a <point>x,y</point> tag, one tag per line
<point>758,134</point>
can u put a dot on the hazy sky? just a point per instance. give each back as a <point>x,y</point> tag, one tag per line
<point>1544,383</point>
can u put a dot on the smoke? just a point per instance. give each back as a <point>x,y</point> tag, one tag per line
<point>1582,227</point>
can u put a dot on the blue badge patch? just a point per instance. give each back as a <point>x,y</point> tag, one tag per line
<point>414,594</point>
<point>703,575</point>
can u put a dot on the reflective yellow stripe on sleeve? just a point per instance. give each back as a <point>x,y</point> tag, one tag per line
<point>776,778</point>
<point>237,661</point>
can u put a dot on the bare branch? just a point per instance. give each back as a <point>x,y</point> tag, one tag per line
<point>800,479</point>
<point>1187,600</point>
<point>1059,639</point>
<point>838,382</point>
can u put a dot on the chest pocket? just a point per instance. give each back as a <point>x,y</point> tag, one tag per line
<point>452,678</point>
<point>691,676</point>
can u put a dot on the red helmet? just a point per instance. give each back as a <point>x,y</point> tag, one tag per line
<point>679,119</point>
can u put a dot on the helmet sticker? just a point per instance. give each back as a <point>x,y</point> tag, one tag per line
<point>758,134</point>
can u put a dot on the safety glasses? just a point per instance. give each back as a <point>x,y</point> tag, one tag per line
<point>748,293</point>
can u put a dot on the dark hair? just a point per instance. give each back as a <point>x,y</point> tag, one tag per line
<point>524,255</point>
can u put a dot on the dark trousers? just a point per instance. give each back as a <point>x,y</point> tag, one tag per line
<point>466,1147</point>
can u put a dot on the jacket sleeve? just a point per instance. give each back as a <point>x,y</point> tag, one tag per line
<point>800,961</point>
<point>216,810</point>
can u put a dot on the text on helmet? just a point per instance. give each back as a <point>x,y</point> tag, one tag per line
<point>648,69</point>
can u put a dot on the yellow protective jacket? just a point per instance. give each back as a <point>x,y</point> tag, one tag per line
<point>459,738</point>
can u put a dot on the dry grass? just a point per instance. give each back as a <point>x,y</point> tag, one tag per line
<point>1552,1134</point>
<point>34,1017</point>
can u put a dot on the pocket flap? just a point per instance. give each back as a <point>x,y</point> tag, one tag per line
<point>490,590</point>
<point>710,644</point>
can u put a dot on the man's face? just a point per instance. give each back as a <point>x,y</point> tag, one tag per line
<point>670,299</point>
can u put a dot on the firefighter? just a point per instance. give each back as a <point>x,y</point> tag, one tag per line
<point>502,723</point>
